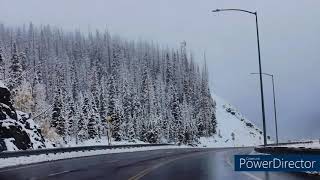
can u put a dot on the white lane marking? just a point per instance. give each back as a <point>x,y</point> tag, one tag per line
<point>243,172</point>
<point>58,173</point>
<point>170,152</point>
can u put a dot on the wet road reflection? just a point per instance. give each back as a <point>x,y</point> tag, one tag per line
<point>166,164</point>
<point>214,165</point>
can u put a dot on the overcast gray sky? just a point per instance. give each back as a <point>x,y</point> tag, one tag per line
<point>289,33</point>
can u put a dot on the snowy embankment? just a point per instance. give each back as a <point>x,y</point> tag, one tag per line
<point>15,161</point>
<point>233,129</point>
<point>103,141</point>
<point>314,145</point>
<point>310,147</point>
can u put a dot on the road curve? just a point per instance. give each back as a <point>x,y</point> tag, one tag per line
<point>213,164</point>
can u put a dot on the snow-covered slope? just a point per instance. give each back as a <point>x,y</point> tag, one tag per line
<point>231,123</point>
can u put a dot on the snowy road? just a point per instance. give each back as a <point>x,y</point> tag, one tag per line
<point>157,164</point>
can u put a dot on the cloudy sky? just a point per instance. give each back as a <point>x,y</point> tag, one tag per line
<point>290,45</point>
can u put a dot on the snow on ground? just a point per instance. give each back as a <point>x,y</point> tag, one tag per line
<point>102,141</point>
<point>2,85</point>
<point>10,145</point>
<point>14,161</point>
<point>231,121</point>
<point>314,145</point>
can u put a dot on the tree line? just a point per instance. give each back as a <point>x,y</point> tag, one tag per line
<point>82,86</point>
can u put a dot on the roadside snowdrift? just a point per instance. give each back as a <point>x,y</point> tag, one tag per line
<point>233,129</point>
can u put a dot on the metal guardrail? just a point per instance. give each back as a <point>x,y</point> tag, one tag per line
<point>287,150</point>
<point>8,154</point>
<point>288,143</point>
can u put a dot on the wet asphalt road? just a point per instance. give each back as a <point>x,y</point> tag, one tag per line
<point>184,164</point>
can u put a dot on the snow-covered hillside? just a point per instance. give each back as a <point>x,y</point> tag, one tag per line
<point>100,85</point>
<point>233,129</point>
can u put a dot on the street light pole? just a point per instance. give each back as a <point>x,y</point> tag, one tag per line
<point>274,105</point>
<point>275,110</point>
<point>260,69</point>
<point>261,85</point>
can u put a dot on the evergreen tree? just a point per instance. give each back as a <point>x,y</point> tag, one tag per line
<point>15,70</point>
<point>82,132</point>
<point>2,66</point>
<point>58,121</point>
<point>71,117</point>
<point>92,124</point>
<point>117,122</point>
<point>23,60</point>
<point>127,101</point>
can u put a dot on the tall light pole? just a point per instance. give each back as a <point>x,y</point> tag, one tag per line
<point>260,69</point>
<point>274,104</point>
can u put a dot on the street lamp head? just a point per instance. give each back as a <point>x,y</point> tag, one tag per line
<point>216,10</point>
<point>250,12</point>
<point>271,75</point>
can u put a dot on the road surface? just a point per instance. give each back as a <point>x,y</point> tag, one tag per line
<point>184,164</point>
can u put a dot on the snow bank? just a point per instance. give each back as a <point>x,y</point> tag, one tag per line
<point>97,142</point>
<point>2,85</point>
<point>10,145</point>
<point>233,129</point>
<point>314,145</point>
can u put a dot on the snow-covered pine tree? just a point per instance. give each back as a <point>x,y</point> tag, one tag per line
<point>103,110</point>
<point>58,120</point>
<point>186,116</point>
<point>74,80</point>
<point>136,116</point>
<point>127,101</point>
<point>177,125</point>
<point>82,131</point>
<point>15,71</point>
<point>115,110</point>
<point>2,66</point>
<point>94,117</point>
<point>93,121</point>
<point>117,122</point>
<point>152,135</point>
<point>39,95</point>
<point>23,60</point>
<point>145,99</point>
<point>206,106</point>
<point>71,116</point>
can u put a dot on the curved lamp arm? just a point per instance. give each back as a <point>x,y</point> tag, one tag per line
<point>250,12</point>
